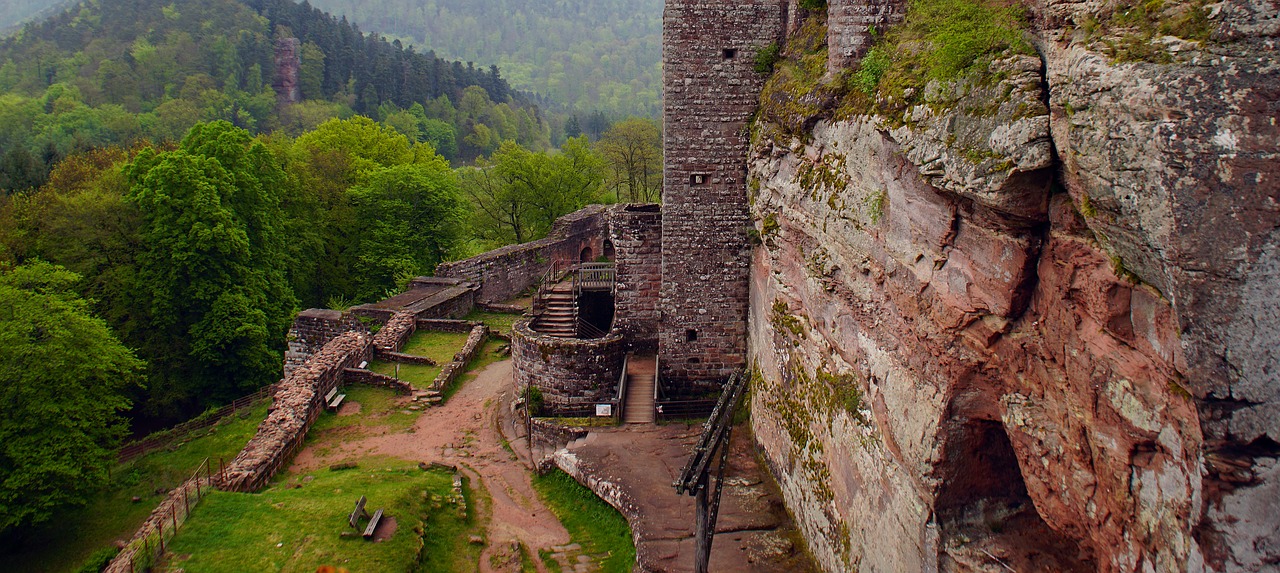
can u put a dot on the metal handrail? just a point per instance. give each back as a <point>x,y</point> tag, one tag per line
<point>622,387</point>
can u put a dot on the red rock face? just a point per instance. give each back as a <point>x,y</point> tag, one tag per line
<point>288,59</point>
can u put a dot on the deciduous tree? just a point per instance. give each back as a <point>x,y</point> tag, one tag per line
<point>64,380</point>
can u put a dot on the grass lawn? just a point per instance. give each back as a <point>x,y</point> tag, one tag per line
<point>446,546</point>
<point>438,346</point>
<point>498,321</point>
<point>296,524</point>
<point>64,543</point>
<point>592,523</point>
<point>379,407</point>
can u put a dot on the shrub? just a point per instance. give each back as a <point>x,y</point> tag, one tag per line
<point>99,560</point>
<point>767,57</point>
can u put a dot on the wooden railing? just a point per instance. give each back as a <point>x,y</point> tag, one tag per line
<point>180,432</point>
<point>148,544</point>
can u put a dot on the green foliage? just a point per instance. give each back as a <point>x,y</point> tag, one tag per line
<point>813,4</point>
<point>767,57</point>
<point>65,377</point>
<point>115,73</point>
<point>939,40</point>
<point>1132,26</point>
<point>872,67</point>
<point>536,401</point>
<point>410,217</point>
<point>211,268</point>
<point>517,194</point>
<point>632,152</point>
<point>603,532</point>
<point>99,560</point>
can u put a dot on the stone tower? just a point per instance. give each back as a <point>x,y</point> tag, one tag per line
<point>711,90</point>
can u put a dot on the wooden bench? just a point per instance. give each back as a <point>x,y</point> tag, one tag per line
<point>357,514</point>
<point>333,399</point>
<point>373,524</point>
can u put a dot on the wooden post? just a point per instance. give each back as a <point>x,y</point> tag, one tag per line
<point>161,524</point>
<point>702,523</point>
<point>186,501</point>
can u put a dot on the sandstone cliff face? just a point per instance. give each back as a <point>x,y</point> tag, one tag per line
<point>1034,323</point>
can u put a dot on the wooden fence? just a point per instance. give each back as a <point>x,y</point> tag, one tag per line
<point>166,438</point>
<point>148,544</point>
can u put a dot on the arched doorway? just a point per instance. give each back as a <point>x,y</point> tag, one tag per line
<point>586,255</point>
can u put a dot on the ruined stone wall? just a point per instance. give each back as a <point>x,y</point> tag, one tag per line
<point>710,90</point>
<point>297,403</point>
<point>395,333</point>
<point>636,234</point>
<point>506,272</point>
<point>1026,333</point>
<point>311,330</point>
<point>572,374</point>
<point>853,24</point>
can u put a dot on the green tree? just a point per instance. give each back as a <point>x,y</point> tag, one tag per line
<point>65,374</point>
<point>212,269</point>
<point>633,151</point>
<point>517,194</point>
<point>410,220</point>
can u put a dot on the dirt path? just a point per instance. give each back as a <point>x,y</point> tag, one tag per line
<point>464,432</point>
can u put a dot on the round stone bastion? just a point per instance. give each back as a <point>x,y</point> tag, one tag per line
<point>574,375</point>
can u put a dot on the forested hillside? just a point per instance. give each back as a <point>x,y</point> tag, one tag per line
<point>15,12</point>
<point>108,72</point>
<point>589,54</point>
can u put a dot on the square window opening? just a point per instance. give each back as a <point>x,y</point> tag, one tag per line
<point>691,335</point>
<point>729,53</point>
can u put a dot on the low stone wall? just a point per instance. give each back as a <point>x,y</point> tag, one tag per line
<point>502,308</point>
<point>549,434</point>
<point>452,370</point>
<point>442,325</point>
<point>506,272</point>
<point>395,333</point>
<point>371,378</point>
<point>298,402</point>
<point>571,373</point>
<point>172,512</point>
<point>403,358</point>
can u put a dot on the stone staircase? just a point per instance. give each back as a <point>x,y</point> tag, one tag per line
<point>558,318</point>
<point>641,372</point>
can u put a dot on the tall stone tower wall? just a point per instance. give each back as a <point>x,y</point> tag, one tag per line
<point>711,90</point>
<point>852,25</point>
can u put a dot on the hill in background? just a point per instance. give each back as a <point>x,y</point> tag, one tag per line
<point>588,54</point>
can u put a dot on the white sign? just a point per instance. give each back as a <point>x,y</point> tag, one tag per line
<point>604,410</point>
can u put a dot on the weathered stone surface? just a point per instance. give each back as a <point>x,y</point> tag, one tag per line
<point>297,403</point>
<point>710,91</point>
<point>506,272</point>
<point>985,142</point>
<point>288,62</point>
<point>573,374</point>
<point>635,231</point>
<point>944,346</point>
